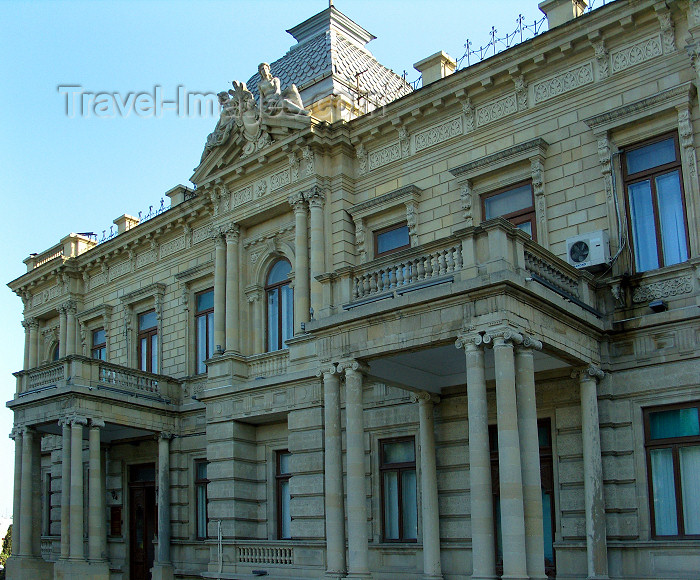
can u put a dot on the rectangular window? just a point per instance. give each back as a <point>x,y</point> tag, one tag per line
<point>672,439</point>
<point>282,475</point>
<point>398,483</point>
<point>515,203</point>
<point>99,344</point>
<point>655,203</point>
<point>148,342</point>
<point>391,239</point>
<point>204,328</point>
<point>200,495</point>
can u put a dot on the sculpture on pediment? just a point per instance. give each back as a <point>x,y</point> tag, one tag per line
<point>256,123</point>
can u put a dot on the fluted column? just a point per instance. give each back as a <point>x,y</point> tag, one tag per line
<point>232,296</point>
<point>62,331</point>
<point>219,292</point>
<point>301,261</point>
<point>25,325</point>
<point>17,494</point>
<point>65,487</point>
<point>71,327</point>
<point>26,495</point>
<point>96,508</point>
<point>429,491</point>
<point>77,547</point>
<point>316,198</point>
<point>33,343</point>
<point>596,542</point>
<point>509,467</point>
<point>530,456</point>
<point>333,466</point>
<point>358,551</point>
<point>163,556</point>
<point>480,487</point>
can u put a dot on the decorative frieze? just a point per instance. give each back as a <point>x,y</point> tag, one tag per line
<point>493,111</point>
<point>145,258</point>
<point>48,294</point>
<point>468,111</point>
<point>663,289</point>
<point>439,133</point>
<point>405,140</point>
<point>602,57</point>
<point>200,234</point>
<point>172,246</point>
<point>97,280</point>
<point>243,196</point>
<point>280,179</point>
<point>639,52</point>
<point>361,154</point>
<point>119,269</point>
<point>521,92</point>
<point>384,156</point>
<point>563,82</point>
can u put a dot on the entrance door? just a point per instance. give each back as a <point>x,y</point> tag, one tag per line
<point>142,520</point>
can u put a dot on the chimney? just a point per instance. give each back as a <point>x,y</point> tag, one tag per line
<point>125,223</point>
<point>436,67</point>
<point>562,11</point>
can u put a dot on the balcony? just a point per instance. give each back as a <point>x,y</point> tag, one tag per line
<point>80,371</point>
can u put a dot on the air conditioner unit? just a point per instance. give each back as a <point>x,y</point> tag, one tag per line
<point>591,249</point>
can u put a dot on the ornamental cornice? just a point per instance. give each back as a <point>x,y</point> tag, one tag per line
<point>393,198</point>
<point>265,237</point>
<point>152,290</point>
<point>521,152</point>
<point>667,99</point>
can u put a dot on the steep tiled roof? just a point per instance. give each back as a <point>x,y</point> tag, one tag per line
<point>330,53</point>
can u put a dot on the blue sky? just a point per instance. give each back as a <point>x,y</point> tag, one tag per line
<point>63,174</point>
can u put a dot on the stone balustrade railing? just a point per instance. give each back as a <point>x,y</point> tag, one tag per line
<point>81,371</point>
<point>468,254</point>
<point>264,554</point>
<point>36,260</point>
<point>269,364</point>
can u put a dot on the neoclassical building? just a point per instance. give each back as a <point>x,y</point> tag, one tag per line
<point>447,332</point>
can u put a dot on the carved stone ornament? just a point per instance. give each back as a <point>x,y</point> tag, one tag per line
<point>663,289</point>
<point>602,58</point>
<point>361,154</point>
<point>253,123</point>
<point>465,194</point>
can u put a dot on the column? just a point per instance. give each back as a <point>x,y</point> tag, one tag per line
<point>71,328</point>
<point>96,507</point>
<point>219,292</point>
<point>358,551</point>
<point>333,466</point>
<point>480,490</point>
<point>163,556</point>
<point>27,488</point>
<point>36,496</point>
<point>77,547</point>
<point>232,296</point>
<point>429,491</point>
<point>62,331</point>
<point>33,343</point>
<point>25,324</point>
<point>509,468</point>
<point>301,262</point>
<point>17,496</point>
<point>65,488</point>
<point>316,199</point>
<point>530,457</point>
<point>596,546</point>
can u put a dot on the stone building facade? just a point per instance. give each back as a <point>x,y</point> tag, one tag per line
<point>392,333</point>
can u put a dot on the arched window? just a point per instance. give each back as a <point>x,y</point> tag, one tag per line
<point>54,353</point>
<point>280,306</point>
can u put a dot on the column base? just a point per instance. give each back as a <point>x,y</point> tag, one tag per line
<point>28,568</point>
<point>71,569</point>
<point>598,577</point>
<point>333,575</point>
<point>162,572</point>
<point>432,577</point>
<point>518,577</point>
<point>494,577</point>
<point>365,575</point>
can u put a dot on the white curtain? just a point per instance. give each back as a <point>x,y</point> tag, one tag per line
<point>664,492</point>
<point>690,488</point>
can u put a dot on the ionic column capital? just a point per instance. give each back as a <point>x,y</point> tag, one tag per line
<point>473,341</point>
<point>589,373</point>
<point>16,431</point>
<point>529,344</point>
<point>165,435</point>
<point>424,397</point>
<point>97,424</point>
<point>353,366</point>
<point>78,420</point>
<point>64,422</point>
<point>327,370</point>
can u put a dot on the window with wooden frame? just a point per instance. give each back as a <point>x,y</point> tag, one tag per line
<point>283,497</point>
<point>200,497</point>
<point>516,203</point>
<point>397,469</point>
<point>99,344</point>
<point>391,239</point>
<point>672,442</point>
<point>280,306</point>
<point>204,328</point>
<point>655,203</point>
<point>147,341</point>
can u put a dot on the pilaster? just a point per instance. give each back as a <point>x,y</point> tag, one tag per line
<point>232,295</point>
<point>301,261</point>
<point>219,292</point>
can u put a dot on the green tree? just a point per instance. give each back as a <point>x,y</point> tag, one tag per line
<point>6,546</point>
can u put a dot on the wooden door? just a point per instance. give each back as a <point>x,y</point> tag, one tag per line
<point>142,528</point>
